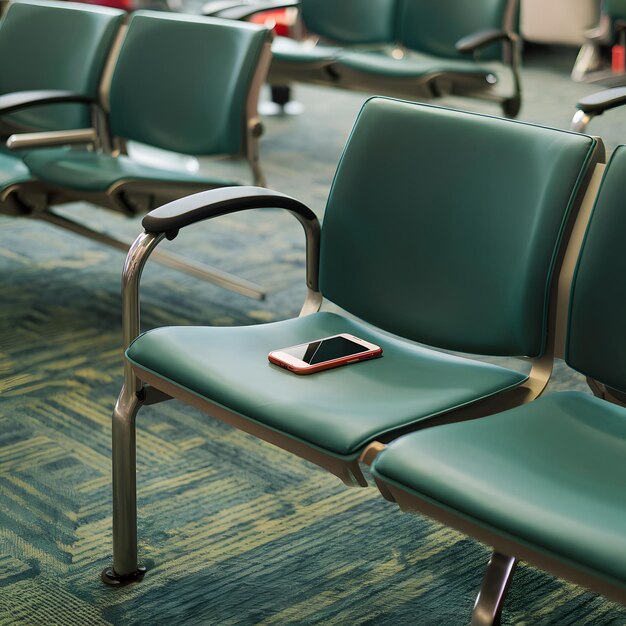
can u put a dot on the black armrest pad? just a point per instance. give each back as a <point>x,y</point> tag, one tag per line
<point>11,102</point>
<point>481,38</point>
<point>245,11</point>
<point>602,101</point>
<point>173,216</point>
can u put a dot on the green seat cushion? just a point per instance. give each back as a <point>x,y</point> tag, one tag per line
<point>288,50</point>
<point>95,171</point>
<point>12,170</point>
<point>549,474</point>
<point>412,65</point>
<point>338,410</point>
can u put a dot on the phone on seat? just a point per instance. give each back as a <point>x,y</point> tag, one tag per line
<point>323,354</point>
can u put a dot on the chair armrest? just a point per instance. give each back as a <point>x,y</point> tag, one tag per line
<point>12,102</point>
<point>205,205</point>
<point>510,56</point>
<point>47,139</point>
<point>245,11</point>
<point>473,42</point>
<point>602,101</point>
<point>170,218</point>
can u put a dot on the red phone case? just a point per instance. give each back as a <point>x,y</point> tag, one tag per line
<point>311,369</point>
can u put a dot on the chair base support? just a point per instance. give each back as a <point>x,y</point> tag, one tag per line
<point>580,121</point>
<point>496,583</point>
<point>110,577</point>
<point>202,271</point>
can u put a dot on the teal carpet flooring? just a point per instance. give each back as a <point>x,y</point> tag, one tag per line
<point>234,531</point>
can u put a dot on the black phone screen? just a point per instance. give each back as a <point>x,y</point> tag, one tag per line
<point>325,350</point>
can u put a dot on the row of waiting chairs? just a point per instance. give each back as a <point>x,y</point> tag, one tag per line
<point>415,49</point>
<point>444,231</point>
<point>92,80</point>
<point>484,217</point>
<point>113,80</point>
<point>419,50</point>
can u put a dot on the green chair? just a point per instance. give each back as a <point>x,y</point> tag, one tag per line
<point>334,26</point>
<point>323,28</point>
<point>543,482</point>
<point>416,49</point>
<point>327,27</point>
<point>48,50</point>
<point>442,227</point>
<point>443,48</point>
<point>181,83</point>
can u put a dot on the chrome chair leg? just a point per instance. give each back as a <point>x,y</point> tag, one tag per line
<point>580,121</point>
<point>125,567</point>
<point>488,606</point>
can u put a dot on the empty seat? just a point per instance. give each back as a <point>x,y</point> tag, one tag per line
<point>45,48</point>
<point>183,84</point>
<point>543,482</point>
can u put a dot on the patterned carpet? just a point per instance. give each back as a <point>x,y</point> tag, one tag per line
<point>234,531</point>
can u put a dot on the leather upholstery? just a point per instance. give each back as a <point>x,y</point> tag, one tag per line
<point>181,81</point>
<point>180,84</point>
<point>550,474</point>
<point>547,475</point>
<point>597,333</point>
<point>461,265</point>
<point>427,30</point>
<point>12,170</point>
<point>94,171</point>
<point>434,27</point>
<point>351,22</point>
<point>338,410</point>
<point>291,51</point>
<point>55,45</point>
<point>412,66</point>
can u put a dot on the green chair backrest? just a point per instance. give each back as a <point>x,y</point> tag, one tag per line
<point>55,45</point>
<point>596,343</point>
<point>181,82</point>
<point>443,226</point>
<point>351,22</point>
<point>434,26</point>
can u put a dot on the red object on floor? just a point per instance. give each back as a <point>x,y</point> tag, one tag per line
<point>279,20</point>
<point>618,59</point>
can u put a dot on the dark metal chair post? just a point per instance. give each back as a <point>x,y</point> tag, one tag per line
<point>496,583</point>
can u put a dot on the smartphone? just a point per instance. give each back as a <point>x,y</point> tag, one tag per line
<point>323,354</point>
